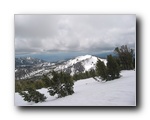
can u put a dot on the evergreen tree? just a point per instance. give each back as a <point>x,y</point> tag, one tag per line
<point>126,57</point>
<point>87,74</point>
<point>101,70</point>
<point>92,73</point>
<point>18,86</point>
<point>32,95</point>
<point>61,84</point>
<point>46,81</point>
<point>39,84</point>
<point>113,69</point>
<point>76,77</point>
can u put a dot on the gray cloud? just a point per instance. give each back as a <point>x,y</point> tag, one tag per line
<point>38,33</point>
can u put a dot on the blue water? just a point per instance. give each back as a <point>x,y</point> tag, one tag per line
<point>54,57</point>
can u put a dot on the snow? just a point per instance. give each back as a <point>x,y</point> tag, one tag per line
<point>72,71</point>
<point>74,61</point>
<point>28,58</point>
<point>77,59</point>
<point>88,92</point>
<point>88,61</point>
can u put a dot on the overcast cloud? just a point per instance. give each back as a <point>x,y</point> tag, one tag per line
<point>49,33</point>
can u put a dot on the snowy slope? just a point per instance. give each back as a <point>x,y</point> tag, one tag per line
<point>31,67</point>
<point>79,64</point>
<point>88,92</point>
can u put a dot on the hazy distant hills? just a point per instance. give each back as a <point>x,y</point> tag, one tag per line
<point>27,61</point>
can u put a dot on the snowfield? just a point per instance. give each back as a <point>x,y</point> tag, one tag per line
<point>88,92</point>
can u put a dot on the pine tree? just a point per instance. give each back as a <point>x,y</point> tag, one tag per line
<point>92,73</point>
<point>46,81</point>
<point>113,69</point>
<point>75,77</point>
<point>61,84</point>
<point>66,85</point>
<point>126,56</point>
<point>38,84</point>
<point>101,70</point>
<point>18,86</point>
<point>87,74</point>
<point>32,95</point>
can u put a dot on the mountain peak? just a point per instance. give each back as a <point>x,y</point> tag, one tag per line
<point>83,57</point>
<point>28,58</point>
<point>79,64</point>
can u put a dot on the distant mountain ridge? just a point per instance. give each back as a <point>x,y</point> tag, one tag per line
<point>54,57</point>
<point>28,61</point>
<point>30,67</point>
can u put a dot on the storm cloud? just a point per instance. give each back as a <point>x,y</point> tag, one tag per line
<point>49,33</point>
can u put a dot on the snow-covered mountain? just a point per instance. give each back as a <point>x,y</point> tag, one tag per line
<point>28,67</point>
<point>27,61</point>
<point>79,64</point>
<point>31,67</point>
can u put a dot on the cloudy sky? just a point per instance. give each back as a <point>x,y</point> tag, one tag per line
<point>90,33</point>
